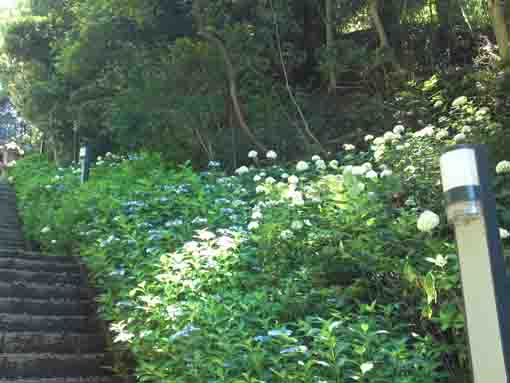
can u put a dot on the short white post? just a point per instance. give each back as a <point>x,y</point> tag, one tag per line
<point>471,209</point>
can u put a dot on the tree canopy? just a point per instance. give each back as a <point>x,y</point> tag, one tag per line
<point>210,79</point>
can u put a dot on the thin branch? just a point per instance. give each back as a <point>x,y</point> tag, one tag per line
<point>231,75</point>
<point>287,84</point>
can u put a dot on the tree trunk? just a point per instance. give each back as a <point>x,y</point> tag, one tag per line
<point>330,40</point>
<point>198,6</point>
<point>498,13</point>
<point>384,43</point>
<point>231,75</point>
<point>373,10</point>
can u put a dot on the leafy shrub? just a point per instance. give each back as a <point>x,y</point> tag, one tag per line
<point>314,272</point>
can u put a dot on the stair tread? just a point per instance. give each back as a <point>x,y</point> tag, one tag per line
<point>89,379</point>
<point>48,330</point>
<point>16,263</point>
<point>26,254</point>
<point>56,342</point>
<point>10,275</point>
<point>50,365</point>
<point>46,306</point>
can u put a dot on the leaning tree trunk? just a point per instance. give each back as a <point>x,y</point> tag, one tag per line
<point>198,7</point>
<point>330,46</point>
<point>384,43</point>
<point>379,26</point>
<point>498,13</point>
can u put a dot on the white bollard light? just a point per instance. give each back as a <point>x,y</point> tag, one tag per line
<point>471,209</point>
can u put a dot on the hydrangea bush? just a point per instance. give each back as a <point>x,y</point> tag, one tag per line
<point>324,270</point>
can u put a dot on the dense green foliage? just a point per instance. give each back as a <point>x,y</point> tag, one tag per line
<point>307,272</point>
<point>209,80</point>
<point>329,270</point>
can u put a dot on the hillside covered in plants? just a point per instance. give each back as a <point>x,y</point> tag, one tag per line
<point>321,270</point>
<point>265,201</point>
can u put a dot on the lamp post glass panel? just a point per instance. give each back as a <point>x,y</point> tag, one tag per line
<point>471,209</point>
<point>85,167</point>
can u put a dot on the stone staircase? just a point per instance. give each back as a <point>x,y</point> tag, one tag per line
<point>48,329</point>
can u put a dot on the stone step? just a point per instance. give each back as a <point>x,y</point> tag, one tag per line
<point>10,224</point>
<point>34,255</point>
<point>48,323</point>
<point>12,243</point>
<point>53,365</point>
<point>11,234</point>
<point>88,379</point>
<point>38,265</point>
<point>42,291</point>
<point>46,306</point>
<point>9,275</point>
<point>50,342</point>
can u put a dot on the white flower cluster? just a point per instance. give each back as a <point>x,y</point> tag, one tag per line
<point>302,166</point>
<point>459,101</point>
<point>503,167</point>
<point>271,155</point>
<point>242,170</point>
<point>428,221</point>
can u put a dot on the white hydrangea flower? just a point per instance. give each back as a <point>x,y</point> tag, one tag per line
<point>461,137</point>
<point>503,167</point>
<point>253,225</point>
<point>270,180</point>
<point>358,170</point>
<point>371,174</point>
<point>368,166</point>
<point>427,131</point>
<point>284,176</point>
<point>390,137</point>
<point>286,234</point>
<point>368,138</point>
<point>410,169</point>
<point>257,178</point>
<point>503,233</point>
<point>386,173</point>
<point>427,221</point>
<point>256,215</point>
<point>260,189</point>
<point>45,230</point>
<point>271,155</point>
<point>483,111</point>
<point>399,129</point>
<point>302,166</point>
<point>316,158</point>
<point>443,133</point>
<point>333,164</point>
<point>379,154</point>
<point>242,170</point>
<point>320,165</point>
<point>296,225</point>
<point>379,141</point>
<point>466,129</point>
<point>293,180</point>
<point>459,101</point>
<point>296,197</point>
<point>349,147</point>
<point>252,154</point>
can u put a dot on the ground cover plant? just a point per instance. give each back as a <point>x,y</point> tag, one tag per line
<point>322,270</point>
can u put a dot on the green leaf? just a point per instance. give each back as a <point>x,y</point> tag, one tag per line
<point>430,288</point>
<point>365,367</point>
